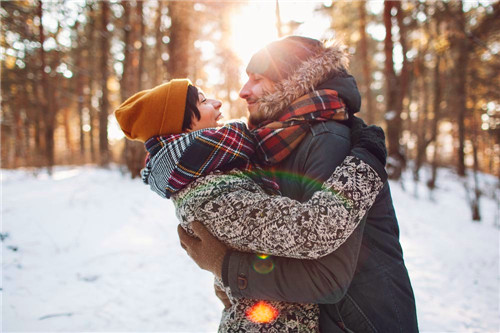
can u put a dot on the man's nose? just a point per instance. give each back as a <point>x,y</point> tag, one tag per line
<point>245,91</point>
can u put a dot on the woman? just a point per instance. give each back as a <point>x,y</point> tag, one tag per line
<point>211,174</point>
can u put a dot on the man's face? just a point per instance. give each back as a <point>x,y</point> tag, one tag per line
<point>256,86</point>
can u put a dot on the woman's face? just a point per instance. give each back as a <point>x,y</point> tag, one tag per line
<point>209,113</point>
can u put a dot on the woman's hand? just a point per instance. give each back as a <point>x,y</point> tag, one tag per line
<point>206,250</point>
<point>371,138</point>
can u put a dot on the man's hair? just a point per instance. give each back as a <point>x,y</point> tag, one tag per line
<point>279,59</point>
<point>191,108</point>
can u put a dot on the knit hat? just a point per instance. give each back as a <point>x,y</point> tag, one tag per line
<point>157,111</point>
<point>279,59</point>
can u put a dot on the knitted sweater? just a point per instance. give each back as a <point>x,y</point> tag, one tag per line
<point>239,212</point>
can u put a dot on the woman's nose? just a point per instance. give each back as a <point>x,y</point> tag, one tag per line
<point>217,104</point>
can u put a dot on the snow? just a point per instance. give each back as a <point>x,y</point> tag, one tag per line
<point>89,249</point>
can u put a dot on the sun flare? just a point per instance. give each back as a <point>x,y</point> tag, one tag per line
<point>253,26</point>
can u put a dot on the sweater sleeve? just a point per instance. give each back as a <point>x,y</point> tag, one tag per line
<point>324,280</point>
<point>247,219</point>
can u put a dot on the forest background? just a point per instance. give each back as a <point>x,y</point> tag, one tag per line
<point>428,72</point>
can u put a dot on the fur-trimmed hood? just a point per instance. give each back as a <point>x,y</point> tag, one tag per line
<point>325,70</point>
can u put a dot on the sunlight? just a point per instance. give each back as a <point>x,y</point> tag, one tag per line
<point>114,131</point>
<point>252,27</point>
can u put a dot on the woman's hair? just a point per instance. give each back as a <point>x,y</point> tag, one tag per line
<point>191,108</point>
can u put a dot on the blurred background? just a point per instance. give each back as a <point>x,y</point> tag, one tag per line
<point>87,247</point>
<point>428,71</point>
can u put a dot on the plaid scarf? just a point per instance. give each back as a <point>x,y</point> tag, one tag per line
<point>176,160</point>
<point>277,139</point>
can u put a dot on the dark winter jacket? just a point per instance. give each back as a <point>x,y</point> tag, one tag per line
<point>363,286</point>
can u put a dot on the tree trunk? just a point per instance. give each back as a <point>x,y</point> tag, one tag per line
<point>422,139</point>
<point>461,68</point>
<point>104,104</point>
<point>404,77</point>
<point>367,76</point>
<point>158,73</point>
<point>126,82</point>
<point>141,31</point>
<point>90,82</point>
<point>181,38</point>
<point>393,113</point>
<point>476,213</point>
<point>475,142</point>
<point>133,153</point>
<point>431,184</point>
<point>47,107</point>
<point>38,125</point>
<point>67,132</point>
<point>391,83</point>
<point>79,93</point>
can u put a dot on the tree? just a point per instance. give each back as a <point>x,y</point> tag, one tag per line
<point>395,89</point>
<point>47,98</point>
<point>104,103</point>
<point>461,67</point>
<point>131,82</point>
<point>367,73</point>
<point>91,81</point>
<point>158,56</point>
<point>181,45</point>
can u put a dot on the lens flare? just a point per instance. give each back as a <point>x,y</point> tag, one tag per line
<point>286,176</point>
<point>263,264</point>
<point>262,313</point>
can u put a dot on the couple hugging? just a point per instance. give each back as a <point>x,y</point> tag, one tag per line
<point>293,213</point>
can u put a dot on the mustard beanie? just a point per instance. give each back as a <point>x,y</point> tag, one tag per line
<point>157,111</point>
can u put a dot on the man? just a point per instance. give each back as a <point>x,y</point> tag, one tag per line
<point>361,287</point>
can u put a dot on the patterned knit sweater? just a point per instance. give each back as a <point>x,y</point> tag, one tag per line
<point>239,212</point>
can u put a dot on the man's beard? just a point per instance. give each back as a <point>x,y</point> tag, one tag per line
<point>256,117</point>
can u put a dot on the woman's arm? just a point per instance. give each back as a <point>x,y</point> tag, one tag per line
<point>240,214</point>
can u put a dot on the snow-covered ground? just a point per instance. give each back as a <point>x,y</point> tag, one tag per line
<point>92,250</point>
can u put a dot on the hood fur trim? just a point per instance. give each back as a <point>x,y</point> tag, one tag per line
<point>329,61</point>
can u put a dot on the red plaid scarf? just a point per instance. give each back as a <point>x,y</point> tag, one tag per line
<point>182,158</point>
<point>277,139</point>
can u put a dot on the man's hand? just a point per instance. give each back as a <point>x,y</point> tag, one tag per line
<point>206,250</point>
<point>221,294</point>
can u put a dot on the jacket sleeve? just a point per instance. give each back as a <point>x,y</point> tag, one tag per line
<point>324,280</point>
<point>248,219</point>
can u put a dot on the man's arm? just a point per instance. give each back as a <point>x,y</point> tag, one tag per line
<point>324,280</point>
